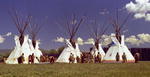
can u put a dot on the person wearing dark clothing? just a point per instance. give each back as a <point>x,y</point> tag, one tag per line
<point>21,59</point>
<point>32,58</point>
<point>124,58</point>
<point>78,59</point>
<point>117,57</point>
<point>99,57</point>
<point>137,57</point>
<point>71,58</point>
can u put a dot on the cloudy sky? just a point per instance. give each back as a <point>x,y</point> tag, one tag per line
<point>49,12</point>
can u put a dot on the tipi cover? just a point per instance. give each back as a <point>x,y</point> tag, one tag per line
<point>37,52</point>
<point>100,50</point>
<point>64,56</point>
<point>118,48</point>
<point>18,50</point>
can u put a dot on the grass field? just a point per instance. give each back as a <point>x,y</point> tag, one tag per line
<point>141,69</point>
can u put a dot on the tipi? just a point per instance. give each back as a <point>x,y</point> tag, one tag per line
<point>21,41</point>
<point>118,48</point>
<point>72,45</point>
<point>97,36</point>
<point>34,44</point>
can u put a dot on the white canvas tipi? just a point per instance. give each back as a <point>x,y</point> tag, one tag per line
<point>36,51</point>
<point>119,48</point>
<point>19,50</point>
<point>72,25</point>
<point>99,50</point>
<point>64,56</point>
<point>34,29</point>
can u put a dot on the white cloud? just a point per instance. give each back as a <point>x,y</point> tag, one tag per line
<point>140,8</point>
<point>89,41</point>
<point>145,38</point>
<point>2,39</point>
<point>106,40</point>
<point>138,39</point>
<point>59,39</point>
<point>8,34</point>
<point>80,41</point>
<point>133,40</point>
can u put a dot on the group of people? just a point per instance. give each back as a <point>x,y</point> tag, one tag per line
<point>31,58</point>
<point>90,58</point>
<point>85,58</point>
<point>124,58</point>
<point>46,58</point>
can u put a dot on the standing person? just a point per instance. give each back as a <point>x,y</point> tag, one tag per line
<point>82,58</point>
<point>99,59</point>
<point>78,59</point>
<point>71,58</point>
<point>137,57</point>
<point>117,57</point>
<point>124,58</point>
<point>21,59</point>
<point>32,58</point>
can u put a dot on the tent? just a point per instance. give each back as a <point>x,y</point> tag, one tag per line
<point>119,48</point>
<point>36,51</point>
<point>19,50</point>
<point>100,50</point>
<point>64,56</point>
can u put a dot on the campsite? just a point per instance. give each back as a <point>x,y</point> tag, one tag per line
<point>74,38</point>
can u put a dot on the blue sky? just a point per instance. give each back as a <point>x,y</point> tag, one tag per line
<point>50,12</point>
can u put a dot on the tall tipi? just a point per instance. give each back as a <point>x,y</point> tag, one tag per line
<point>21,41</point>
<point>72,45</point>
<point>33,43</point>
<point>98,31</point>
<point>118,48</point>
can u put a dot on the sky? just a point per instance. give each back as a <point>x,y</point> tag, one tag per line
<point>49,12</point>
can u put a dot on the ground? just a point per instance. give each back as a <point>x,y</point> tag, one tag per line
<point>141,69</point>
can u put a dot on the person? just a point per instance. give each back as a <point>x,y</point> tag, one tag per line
<point>78,59</point>
<point>42,58</point>
<point>99,58</point>
<point>4,59</point>
<point>32,58</point>
<point>71,58</point>
<point>51,59</point>
<point>124,58</point>
<point>91,57</point>
<point>21,59</point>
<point>82,58</point>
<point>117,57</point>
<point>137,57</point>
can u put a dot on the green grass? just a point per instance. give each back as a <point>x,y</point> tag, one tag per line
<point>141,69</point>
